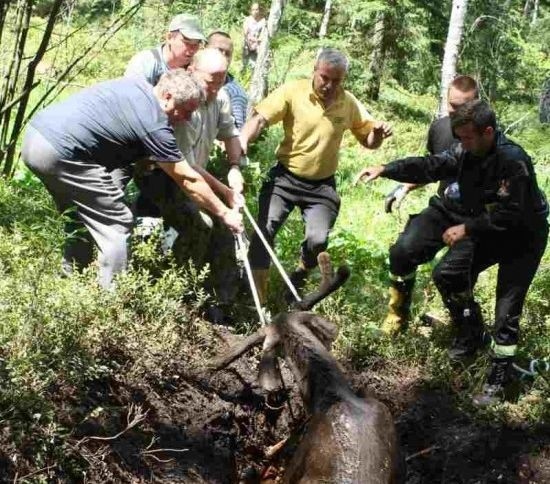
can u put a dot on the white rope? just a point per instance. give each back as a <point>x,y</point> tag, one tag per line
<point>242,248</point>
<point>272,255</point>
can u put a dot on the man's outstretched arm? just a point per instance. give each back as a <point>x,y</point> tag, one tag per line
<point>194,185</point>
<point>251,130</point>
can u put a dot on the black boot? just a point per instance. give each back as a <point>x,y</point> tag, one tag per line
<point>468,322</point>
<point>298,279</point>
<point>493,390</point>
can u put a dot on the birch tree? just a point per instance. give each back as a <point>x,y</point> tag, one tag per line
<point>377,58</point>
<point>326,17</point>
<point>258,84</point>
<point>535,13</point>
<point>19,66</point>
<point>527,8</point>
<point>454,37</point>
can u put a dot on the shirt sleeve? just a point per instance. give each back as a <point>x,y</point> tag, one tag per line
<point>246,26</point>
<point>239,102</point>
<point>141,66</point>
<point>226,122</point>
<point>430,144</point>
<point>275,106</point>
<point>362,121</point>
<point>160,145</point>
<point>185,142</point>
<point>423,169</point>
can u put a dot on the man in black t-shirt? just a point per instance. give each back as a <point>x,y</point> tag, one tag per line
<point>440,138</point>
<point>81,150</point>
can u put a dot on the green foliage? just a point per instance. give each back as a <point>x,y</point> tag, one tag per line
<point>300,23</point>
<point>56,331</point>
<point>498,51</point>
<point>67,331</point>
<point>215,15</point>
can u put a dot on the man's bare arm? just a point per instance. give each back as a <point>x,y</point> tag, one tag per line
<point>194,185</point>
<point>234,152</point>
<point>251,130</point>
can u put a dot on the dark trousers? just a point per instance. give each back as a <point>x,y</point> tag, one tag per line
<point>281,192</point>
<point>517,254</point>
<point>95,194</point>
<point>202,238</point>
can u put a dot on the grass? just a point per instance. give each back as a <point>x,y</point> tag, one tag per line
<point>57,331</point>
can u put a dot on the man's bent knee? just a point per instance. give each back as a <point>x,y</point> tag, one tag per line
<point>113,258</point>
<point>449,281</point>
<point>402,260</point>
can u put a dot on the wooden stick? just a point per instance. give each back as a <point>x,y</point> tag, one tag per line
<point>425,451</point>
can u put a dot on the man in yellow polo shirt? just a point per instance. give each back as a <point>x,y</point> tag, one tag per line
<point>315,113</point>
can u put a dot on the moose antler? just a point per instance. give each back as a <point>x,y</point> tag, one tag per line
<point>330,282</point>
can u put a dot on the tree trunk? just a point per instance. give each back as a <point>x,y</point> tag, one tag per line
<point>3,11</point>
<point>28,86</point>
<point>18,81</point>
<point>544,105</point>
<point>326,18</point>
<point>454,37</point>
<point>527,8</point>
<point>376,64</point>
<point>535,13</point>
<point>258,84</point>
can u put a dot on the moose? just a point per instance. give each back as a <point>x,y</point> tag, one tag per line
<point>348,439</point>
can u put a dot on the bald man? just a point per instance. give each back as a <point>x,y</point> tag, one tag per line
<point>202,238</point>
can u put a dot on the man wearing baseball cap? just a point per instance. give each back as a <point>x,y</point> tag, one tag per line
<point>183,40</point>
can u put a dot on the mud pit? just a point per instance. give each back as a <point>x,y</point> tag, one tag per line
<point>218,431</point>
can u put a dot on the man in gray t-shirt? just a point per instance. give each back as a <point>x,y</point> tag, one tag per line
<point>82,147</point>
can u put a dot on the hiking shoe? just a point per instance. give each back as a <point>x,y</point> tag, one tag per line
<point>466,345</point>
<point>493,391</point>
<point>470,332</point>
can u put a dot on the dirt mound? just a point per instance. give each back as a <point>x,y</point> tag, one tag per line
<point>184,428</point>
<point>443,443</point>
<point>181,428</point>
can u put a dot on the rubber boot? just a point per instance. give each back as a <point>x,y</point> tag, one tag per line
<point>399,306</point>
<point>468,322</point>
<point>493,390</point>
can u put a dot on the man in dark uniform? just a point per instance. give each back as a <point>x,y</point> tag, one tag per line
<point>492,212</point>
<point>440,138</point>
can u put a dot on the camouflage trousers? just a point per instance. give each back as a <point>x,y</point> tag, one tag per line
<point>201,237</point>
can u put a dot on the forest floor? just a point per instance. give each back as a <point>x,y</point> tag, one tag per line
<point>220,430</point>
